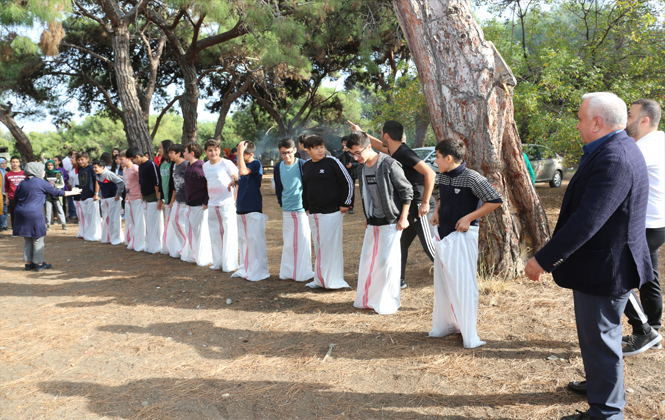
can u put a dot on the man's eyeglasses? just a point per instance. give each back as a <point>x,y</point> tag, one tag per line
<point>359,152</point>
<point>290,152</point>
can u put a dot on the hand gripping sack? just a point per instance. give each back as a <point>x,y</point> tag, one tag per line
<point>456,287</point>
<point>154,228</point>
<point>327,237</point>
<point>91,220</point>
<point>176,232</point>
<point>253,247</point>
<point>297,251</point>
<point>197,248</point>
<point>135,225</point>
<point>223,227</point>
<point>111,221</point>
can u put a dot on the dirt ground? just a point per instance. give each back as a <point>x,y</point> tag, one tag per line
<point>110,333</point>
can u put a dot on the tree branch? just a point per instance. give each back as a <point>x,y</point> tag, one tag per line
<point>89,15</point>
<point>161,115</point>
<point>89,52</point>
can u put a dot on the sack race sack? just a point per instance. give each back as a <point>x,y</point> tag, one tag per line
<point>154,228</point>
<point>379,270</point>
<point>167,220</point>
<point>90,221</point>
<point>77,207</point>
<point>297,251</point>
<point>111,221</point>
<point>223,227</point>
<point>135,225</point>
<point>175,232</point>
<point>327,237</point>
<point>253,247</point>
<point>456,287</point>
<point>197,248</point>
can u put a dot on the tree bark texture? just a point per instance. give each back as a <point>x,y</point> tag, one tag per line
<point>136,128</point>
<point>22,142</point>
<point>422,124</point>
<point>189,101</point>
<point>465,82</point>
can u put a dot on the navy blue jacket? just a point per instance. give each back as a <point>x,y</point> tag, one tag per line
<point>599,244</point>
<point>278,179</point>
<point>30,196</point>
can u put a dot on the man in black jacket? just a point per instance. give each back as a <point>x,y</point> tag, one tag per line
<point>350,164</point>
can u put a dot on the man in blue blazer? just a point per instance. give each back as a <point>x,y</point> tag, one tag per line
<point>599,248</point>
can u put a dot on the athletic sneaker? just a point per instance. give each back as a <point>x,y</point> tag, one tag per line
<point>580,416</point>
<point>64,226</point>
<point>640,343</point>
<point>43,266</point>
<point>30,266</point>
<point>48,227</point>
<point>658,346</point>
<point>402,284</point>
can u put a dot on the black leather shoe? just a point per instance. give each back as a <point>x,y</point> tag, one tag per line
<point>578,387</point>
<point>580,416</point>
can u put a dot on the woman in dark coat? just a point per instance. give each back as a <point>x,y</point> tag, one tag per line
<point>30,195</point>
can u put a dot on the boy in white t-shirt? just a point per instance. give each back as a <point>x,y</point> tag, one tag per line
<point>221,175</point>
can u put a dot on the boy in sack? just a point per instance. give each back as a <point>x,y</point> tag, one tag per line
<point>111,187</point>
<point>461,192</point>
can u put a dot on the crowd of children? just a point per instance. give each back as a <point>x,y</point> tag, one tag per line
<point>211,213</point>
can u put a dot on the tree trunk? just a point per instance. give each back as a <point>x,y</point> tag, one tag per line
<point>136,129</point>
<point>464,81</point>
<point>22,142</point>
<point>422,124</point>
<point>189,102</point>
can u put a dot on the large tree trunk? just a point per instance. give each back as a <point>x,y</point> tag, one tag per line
<point>22,142</point>
<point>136,129</point>
<point>464,81</point>
<point>189,102</point>
<point>422,124</point>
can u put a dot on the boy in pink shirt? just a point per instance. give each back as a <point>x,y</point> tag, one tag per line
<point>134,214</point>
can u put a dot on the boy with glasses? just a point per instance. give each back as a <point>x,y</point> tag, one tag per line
<point>297,251</point>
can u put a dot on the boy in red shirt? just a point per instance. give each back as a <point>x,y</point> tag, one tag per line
<point>12,179</point>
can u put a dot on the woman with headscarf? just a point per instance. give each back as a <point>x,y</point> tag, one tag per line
<point>3,198</point>
<point>54,177</point>
<point>29,218</point>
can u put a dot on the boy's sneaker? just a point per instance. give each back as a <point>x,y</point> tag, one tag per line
<point>64,226</point>
<point>640,343</point>
<point>30,266</point>
<point>43,266</point>
<point>625,338</point>
<point>402,284</point>
<point>48,227</point>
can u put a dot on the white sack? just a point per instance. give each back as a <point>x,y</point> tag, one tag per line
<point>253,247</point>
<point>77,206</point>
<point>111,221</point>
<point>456,287</point>
<point>379,270</point>
<point>175,232</point>
<point>223,228</point>
<point>197,248</point>
<point>167,223</point>
<point>297,251</point>
<point>154,228</point>
<point>135,216</point>
<point>91,221</point>
<point>327,237</point>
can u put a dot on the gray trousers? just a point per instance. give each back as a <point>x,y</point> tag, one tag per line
<point>598,321</point>
<point>33,250</point>
<point>61,214</point>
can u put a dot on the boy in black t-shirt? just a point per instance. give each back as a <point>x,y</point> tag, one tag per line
<point>150,194</point>
<point>327,192</point>
<point>461,191</point>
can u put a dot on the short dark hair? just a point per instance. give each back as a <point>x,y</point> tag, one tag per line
<point>212,143</point>
<point>166,146</point>
<point>177,148</point>
<point>651,109</point>
<point>251,148</point>
<point>82,155</point>
<point>234,150</point>
<point>107,158</point>
<point>393,129</point>
<point>452,147</point>
<point>71,152</point>
<point>302,139</point>
<point>357,138</point>
<point>98,162</point>
<point>14,157</point>
<point>286,143</point>
<point>343,139</point>
<point>314,141</point>
<point>194,148</point>
<point>132,152</point>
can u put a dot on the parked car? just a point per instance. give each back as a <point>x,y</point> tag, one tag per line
<point>547,165</point>
<point>428,155</point>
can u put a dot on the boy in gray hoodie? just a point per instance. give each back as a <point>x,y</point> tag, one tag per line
<point>386,196</point>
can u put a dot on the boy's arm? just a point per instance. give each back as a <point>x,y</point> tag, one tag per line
<point>430,177</point>
<point>305,203</point>
<point>434,220</point>
<point>119,182</point>
<point>172,199</point>
<point>278,184</point>
<point>344,182</point>
<point>463,224</point>
<point>405,191</point>
<point>487,194</point>
<point>242,168</point>
<point>96,196</point>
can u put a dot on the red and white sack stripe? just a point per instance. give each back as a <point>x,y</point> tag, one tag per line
<point>111,221</point>
<point>197,249</point>
<point>379,270</point>
<point>223,228</point>
<point>456,287</point>
<point>176,230</point>
<point>329,264</point>
<point>297,251</point>
<point>253,247</point>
